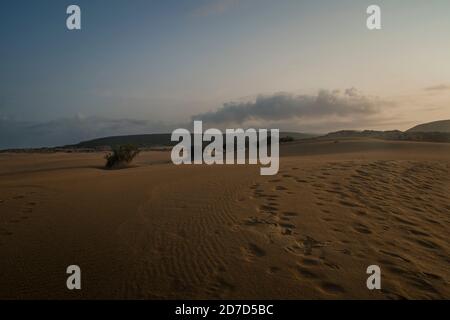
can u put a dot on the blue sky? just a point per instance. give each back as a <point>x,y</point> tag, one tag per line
<point>151,65</point>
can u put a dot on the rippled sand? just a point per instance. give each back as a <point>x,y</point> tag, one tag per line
<point>161,231</point>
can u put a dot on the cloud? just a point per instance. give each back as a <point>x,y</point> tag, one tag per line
<point>19,134</point>
<point>441,87</point>
<point>215,7</point>
<point>282,107</point>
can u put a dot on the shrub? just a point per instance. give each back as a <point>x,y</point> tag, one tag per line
<point>286,139</point>
<point>121,156</point>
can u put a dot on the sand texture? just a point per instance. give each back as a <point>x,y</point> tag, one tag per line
<point>160,231</point>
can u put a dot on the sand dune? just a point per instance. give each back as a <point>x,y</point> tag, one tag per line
<point>161,231</point>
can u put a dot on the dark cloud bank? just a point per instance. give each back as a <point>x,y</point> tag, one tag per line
<point>323,112</point>
<point>325,106</point>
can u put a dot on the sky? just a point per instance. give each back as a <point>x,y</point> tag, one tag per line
<point>142,66</point>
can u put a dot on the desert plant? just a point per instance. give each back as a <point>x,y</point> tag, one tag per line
<point>121,156</point>
<point>286,139</point>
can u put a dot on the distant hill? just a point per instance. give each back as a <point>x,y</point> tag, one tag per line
<point>392,135</point>
<point>140,140</point>
<point>153,140</point>
<point>163,139</point>
<point>435,126</point>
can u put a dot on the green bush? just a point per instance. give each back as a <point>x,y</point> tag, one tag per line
<point>121,156</point>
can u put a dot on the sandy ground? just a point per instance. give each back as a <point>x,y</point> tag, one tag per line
<point>161,231</point>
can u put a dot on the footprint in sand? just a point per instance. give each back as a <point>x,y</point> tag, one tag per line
<point>287,225</point>
<point>267,208</point>
<point>331,288</point>
<point>252,251</point>
<point>219,288</point>
<point>289,214</point>
<point>306,273</point>
<point>321,204</point>
<point>305,246</point>
<point>361,228</point>
<point>254,221</point>
<point>287,232</point>
<point>273,270</point>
